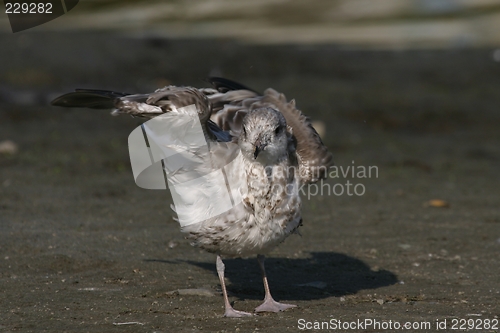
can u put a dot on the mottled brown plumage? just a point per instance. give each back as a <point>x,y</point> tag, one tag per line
<point>280,151</point>
<point>232,106</point>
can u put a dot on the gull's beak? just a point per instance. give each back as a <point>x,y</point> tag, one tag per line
<point>259,146</point>
<point>256,152</point>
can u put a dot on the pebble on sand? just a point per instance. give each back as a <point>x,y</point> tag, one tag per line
<point>438,203</point>
<point>8,147</point>
<point>193,292</point>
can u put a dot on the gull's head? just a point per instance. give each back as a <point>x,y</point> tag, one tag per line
<point>263,136</point>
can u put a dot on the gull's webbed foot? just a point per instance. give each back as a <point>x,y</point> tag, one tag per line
<point>270,305</point>
<point>232,313</point>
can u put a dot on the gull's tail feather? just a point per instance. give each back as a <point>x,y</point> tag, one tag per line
<point>89,98</point>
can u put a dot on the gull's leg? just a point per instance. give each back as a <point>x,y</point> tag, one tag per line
<point>229,311</point>
<point>269,305</point>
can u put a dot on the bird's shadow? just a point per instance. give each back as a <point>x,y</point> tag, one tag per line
<point>321,275</point>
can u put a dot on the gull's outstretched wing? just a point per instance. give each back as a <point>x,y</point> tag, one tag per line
<point>231,101</point>
<point>163,100</point>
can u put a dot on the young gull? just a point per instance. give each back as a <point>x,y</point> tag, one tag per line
<point>280,152</point>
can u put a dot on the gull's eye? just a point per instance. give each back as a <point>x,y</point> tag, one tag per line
<point>277,130</point>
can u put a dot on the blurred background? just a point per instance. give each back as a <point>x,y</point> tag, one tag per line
<point>409,86</point>
<point>392,24</point>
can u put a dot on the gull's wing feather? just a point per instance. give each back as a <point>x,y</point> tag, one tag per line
<point>224,85</point>
<point>163,100</point>
<point>89,98</point>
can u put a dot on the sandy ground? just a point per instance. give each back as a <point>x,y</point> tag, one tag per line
<point>83,249</point>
